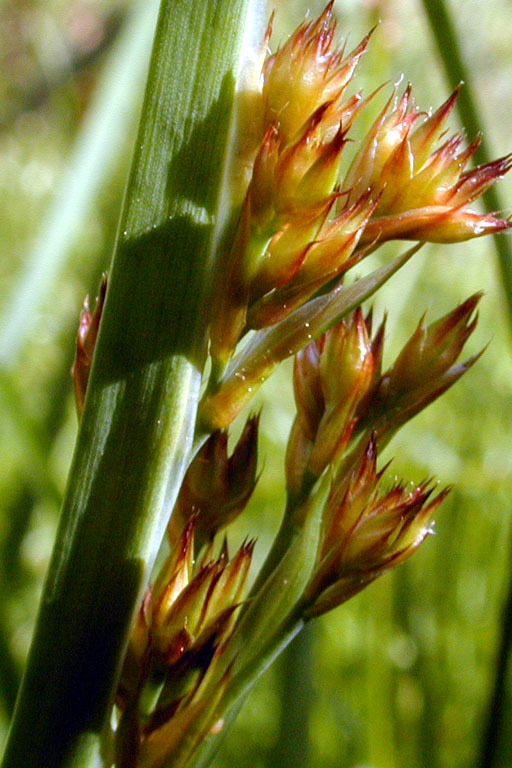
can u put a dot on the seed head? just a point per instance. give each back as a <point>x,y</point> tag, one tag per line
<point>331,377</point>
<point>425,368</point>
<point>366,531</point>
<point>422,194</point>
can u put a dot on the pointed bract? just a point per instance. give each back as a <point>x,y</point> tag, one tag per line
<point>425,368</point>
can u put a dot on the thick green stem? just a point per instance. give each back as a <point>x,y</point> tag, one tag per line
<point>137,428</point>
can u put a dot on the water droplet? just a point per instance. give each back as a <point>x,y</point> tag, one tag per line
<point>249,389</point>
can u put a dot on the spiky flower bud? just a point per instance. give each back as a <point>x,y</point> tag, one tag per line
<point>307,73</point>
<point>332,253</point>
<point>422,193</point>
<point>88,328</point>
<point>331,376</point>
<point>202,609</point>
<point>365,532</point>
<point>217,487</point>
<point>185,620</point>
<point>425,368</point>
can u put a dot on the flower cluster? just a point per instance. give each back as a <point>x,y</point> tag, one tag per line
<point>294,188</point>
<point>181,630</point>
<point>347,409</point>
<point>304,223</point>
<point>343,397</point>
<point>422,193</point>
<point>365,532</point>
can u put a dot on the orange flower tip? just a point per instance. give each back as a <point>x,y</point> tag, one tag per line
<point>473,146</point>
<point>187,537</point>
<point>403,104</point>
<point>370,454</point>
<point>461,368</point>
<point>224,552</point>
<point>445,109</point>
<point>355,55</point>
<point>268,31</point>
<point>474,182</point>
<point>324,25</point>
<point>466,308</point>
<point>459,318</point>
<point>246,550</point>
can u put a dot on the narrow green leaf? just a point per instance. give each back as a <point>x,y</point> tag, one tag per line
<point>136,433</point>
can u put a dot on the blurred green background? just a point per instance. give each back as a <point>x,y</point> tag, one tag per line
<point>405,674</point>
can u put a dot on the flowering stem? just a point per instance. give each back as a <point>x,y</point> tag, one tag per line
<point>137,427</point>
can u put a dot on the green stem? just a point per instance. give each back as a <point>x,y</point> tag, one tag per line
<point>445,36</point>
<point>291,524</point>
<point>137,428</point>
<point>241,685</point>
<point>268,623</point>
<point>292,745</point>
<point>494,727</point>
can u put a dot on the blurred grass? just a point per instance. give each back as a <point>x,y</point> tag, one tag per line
<point>401,675</point>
